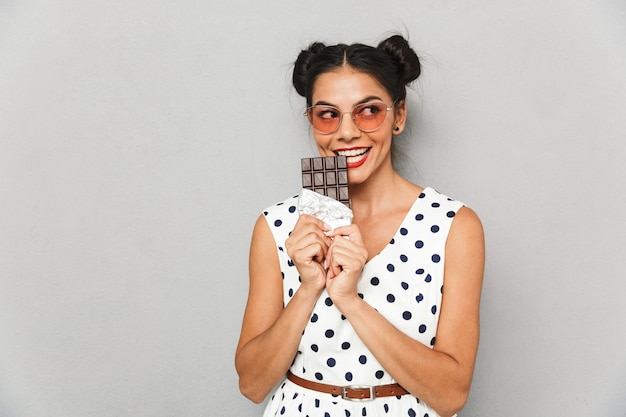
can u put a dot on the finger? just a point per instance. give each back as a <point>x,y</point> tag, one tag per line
<point>311,245</point>
<point>351,232</point>
<point>350,257</point>
<point>341,259</point>
<point>308,219</point>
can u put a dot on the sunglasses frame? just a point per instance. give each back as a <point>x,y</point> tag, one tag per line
<point>309,109</point>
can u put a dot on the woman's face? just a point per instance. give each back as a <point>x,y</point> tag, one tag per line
<point>367,153</point>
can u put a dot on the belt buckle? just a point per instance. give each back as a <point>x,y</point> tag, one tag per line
<point>345,388</point>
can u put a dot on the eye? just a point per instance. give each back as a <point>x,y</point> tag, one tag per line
<point>325,112</point>
<point>369,110</point>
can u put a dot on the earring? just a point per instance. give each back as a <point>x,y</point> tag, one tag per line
<point>396,128</point>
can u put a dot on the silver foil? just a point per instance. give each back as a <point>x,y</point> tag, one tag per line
<point>329,210</point>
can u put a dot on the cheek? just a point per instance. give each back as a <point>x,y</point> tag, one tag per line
<point>322,144</point>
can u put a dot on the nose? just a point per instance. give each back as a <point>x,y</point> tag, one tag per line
<point>348,129</point>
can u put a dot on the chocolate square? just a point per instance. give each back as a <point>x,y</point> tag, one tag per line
<point>327,175</point>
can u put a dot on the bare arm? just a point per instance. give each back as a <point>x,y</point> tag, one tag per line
<point>270,334</point>
<point>441,376</point>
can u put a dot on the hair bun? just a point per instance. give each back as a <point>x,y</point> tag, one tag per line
<point>302,65</point>
<point>407,61</point>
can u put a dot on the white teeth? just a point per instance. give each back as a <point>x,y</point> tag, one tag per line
<point>353,155</point>
<point>354,159</point>
<point>353,152</point>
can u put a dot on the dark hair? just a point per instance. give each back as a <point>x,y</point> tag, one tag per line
<point>393,63</point>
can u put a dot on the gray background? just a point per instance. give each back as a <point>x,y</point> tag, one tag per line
<point>141,139</point>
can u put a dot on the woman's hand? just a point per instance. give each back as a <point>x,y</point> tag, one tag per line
<point>307,246</point>
<point>345,260</point>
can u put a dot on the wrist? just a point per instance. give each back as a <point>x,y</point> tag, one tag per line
<point>349,304</point>
<point>310,290</point>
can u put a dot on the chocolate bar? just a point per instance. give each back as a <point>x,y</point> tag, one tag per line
<point>327,175</point>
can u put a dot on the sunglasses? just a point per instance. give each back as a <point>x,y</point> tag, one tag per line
<point>366,116</point>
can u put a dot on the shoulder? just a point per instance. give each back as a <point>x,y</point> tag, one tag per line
<point>438,199</point>
<point>466,238</point>
<point>288,205</point>
<point>467,221</point>
<point>281,217</point>
<point>464,221</point>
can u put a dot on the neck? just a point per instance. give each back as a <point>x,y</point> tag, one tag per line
<point>379,194</point>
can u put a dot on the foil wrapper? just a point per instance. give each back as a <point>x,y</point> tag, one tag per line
<point>329,210</point>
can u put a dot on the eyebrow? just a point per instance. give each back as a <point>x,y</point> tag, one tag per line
<point>365,100</point>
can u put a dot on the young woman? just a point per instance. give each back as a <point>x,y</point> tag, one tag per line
<point>355,321</point>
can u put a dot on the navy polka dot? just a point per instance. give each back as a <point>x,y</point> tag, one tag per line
<point>422,328</point>
<point>374,281</point>
<point>314,318</point>
<point>419,297</point>
<point>407,315</point>
<point>433,309</point>
<point>404,258</point>
<point>428,278</point>
<point>314,348</point>
<point>329,333</point>
<point>391,298</point>
<point>328,301</point>
<point>331,362</point>
<point>436,258</point>
<point>405,286</point>
<point>434,228</point>
<point>348,376</point>
<point>419,244</point>
<point>345,345</point>
<point>278,223</point>
<point>379,374</point>
<point>419,217</point>
<point>403,231</point>
<point>435,205</point>
<point>319,376</point>
<point>450,214</point>
<point>391,268</point>
<point>292,209</point>
<point>363,359</point>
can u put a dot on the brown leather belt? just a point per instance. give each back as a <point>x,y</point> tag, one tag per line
<point>350,392</point>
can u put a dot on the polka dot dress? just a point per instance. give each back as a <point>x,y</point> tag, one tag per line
<point>403,282</point>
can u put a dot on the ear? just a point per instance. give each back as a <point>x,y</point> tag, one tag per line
<point>400,117</point>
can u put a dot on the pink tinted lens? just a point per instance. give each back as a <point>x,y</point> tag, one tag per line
<point>369,116</point>
<point>324,119</point>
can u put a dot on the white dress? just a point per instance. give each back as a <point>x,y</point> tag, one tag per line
<point>403,282</point>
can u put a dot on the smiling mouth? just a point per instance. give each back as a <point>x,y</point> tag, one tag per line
<point>353,156</point>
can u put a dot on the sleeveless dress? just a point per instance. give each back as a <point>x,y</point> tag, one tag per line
<point>403,282</point>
